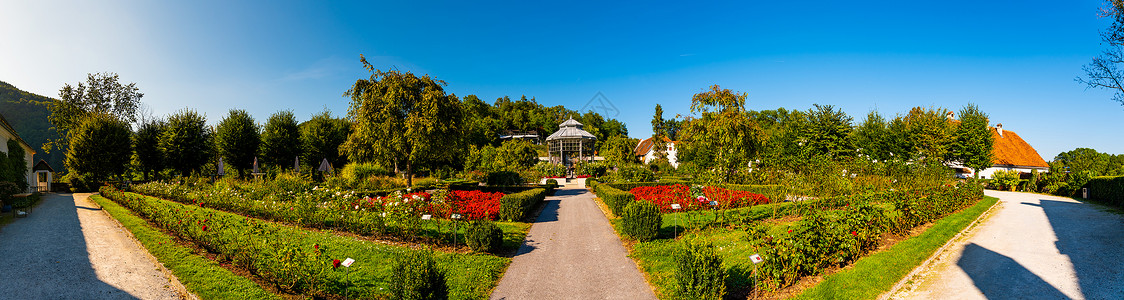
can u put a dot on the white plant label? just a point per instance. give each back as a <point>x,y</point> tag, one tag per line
<point>713,203</point>
<point>756,259</point>
<point>455,216</point>
<point>426,217</point>
<point>676,206</point>
<point>347,262</point>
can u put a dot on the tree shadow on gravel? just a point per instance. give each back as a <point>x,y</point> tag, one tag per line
<point>45,257</point>
<point>1094,242</point>
<point>1000,277</point>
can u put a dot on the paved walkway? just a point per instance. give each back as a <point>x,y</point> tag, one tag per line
<point>69,249</point>
<point>1032,247</point>
<point>572,252</point>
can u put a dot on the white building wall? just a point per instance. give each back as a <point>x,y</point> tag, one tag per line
<point>989,172</point>
<point>29,153</point>
<point>671,155</point>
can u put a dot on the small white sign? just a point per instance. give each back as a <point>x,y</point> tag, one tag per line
<point>713,203</point>
<point>676,206</point>
<point>756,259</point>
<point>426,217</point>
<point>455,216</point>
<point>347,262</point>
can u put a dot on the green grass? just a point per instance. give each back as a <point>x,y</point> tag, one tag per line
<point>876,274</point>
<point>202,276</point>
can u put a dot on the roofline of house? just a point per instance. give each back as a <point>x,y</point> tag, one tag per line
<point>1017,166</point>
<point>7,126</point>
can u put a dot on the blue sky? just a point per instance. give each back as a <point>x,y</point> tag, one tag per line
<point>1016,59</point>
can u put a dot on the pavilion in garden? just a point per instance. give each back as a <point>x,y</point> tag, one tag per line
<point>570,144</point>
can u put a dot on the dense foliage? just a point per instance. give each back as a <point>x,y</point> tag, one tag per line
<point>641,220</point>
<point>187,142</point>
<point>238,137</point>
<point>416,277</point>
<point>28,113</point>
<point>280,140</point>
<point>483,236</point>
<point>100,147</point>
<point>1107,188</point>
<point>699,273</point>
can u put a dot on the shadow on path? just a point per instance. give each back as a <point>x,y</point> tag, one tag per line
<point>1094,242</point>
<point>44,256</point>
<point>1000,277</point>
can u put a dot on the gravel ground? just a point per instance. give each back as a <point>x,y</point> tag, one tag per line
<point>69,249</point>
<point>572,252</point>
<point>1033,247</point>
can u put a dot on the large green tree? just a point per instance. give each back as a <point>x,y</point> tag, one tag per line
<point>724,137</point>
<point>930,132</point>
<point>1084,160</point>
<point>1104,71</point>
<point>187,141</point>
<point>150,159</point>
<point>827,132</point>
<point>618,150</point>
<point>322,137</point>
<point>100,147</point>
<point>403,118</point>
<point>280,139</point>
<point>238,138</point>
<point>972,140</point>
<point>102,94</point>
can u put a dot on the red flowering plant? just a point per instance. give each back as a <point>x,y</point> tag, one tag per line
<point>664,196</point>
<point>733,199</point>
<point>474,205</point>
<point>696,198</point>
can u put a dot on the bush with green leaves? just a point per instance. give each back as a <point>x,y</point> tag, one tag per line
<point>483,236</point>
<point>699,273</point>
<point>614,198</point>
<point>632,173</point>
<point>642,220</point>
<point>1006,179</point>
<point>1107,188</point>
<point>416,277</point>
<point>7,189</point>
<point>515,207</point>
<point>101,147</point>
<point>504,178</point>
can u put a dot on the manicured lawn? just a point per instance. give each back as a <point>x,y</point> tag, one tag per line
<point>202,276</point>
<point>876,274</point>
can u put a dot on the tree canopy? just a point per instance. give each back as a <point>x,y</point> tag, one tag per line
<point>322,137</point>
<point>102,94</point>
<point>187,141</point>
<point>100,147</point>
<point>150,159</point>
<point>1104,72</point>
<point>280,139</point>
<point>972,142</point>
<point>238,138</point>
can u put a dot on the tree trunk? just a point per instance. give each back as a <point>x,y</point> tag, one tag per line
<point>409,175</point>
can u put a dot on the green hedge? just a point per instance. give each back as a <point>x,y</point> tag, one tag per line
<point>642,220</point>
<point>1107,188</point>
<point>614,198</point>
<point>300,261</point>
<point>514,207</point>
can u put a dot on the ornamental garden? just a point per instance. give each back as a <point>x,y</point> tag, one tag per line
<point>420,194</point>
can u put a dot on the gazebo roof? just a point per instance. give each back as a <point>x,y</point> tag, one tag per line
<point>570,129</point>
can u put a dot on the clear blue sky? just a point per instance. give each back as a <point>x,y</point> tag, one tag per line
<point>1016,59</point>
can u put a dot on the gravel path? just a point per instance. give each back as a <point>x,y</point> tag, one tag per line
<point>1032,247</point>
<point>69,249</point>
<point>572,252</point>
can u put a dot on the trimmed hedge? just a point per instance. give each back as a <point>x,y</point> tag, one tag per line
<point>615,198</point>
<point>514,207</point>
<point>699,273</point>
<point>642,220</point>
<point>1107,188</point>
<point>483,236</point>
<point>416,277</point>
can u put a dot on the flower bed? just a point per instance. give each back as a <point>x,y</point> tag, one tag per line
<point>301,261</point>
<point>666,195</point>
<point>475,205</point>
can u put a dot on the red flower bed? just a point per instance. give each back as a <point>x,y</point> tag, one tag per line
<point>475,205</point>
<point>665,196</point>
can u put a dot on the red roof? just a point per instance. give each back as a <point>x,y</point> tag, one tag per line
<point>646,144</point>
<point>1010,149</point>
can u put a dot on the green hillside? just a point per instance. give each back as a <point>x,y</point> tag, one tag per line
<point>27,113</point>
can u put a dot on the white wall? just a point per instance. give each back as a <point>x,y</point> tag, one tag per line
<point>5,136</point>
<point>989,172</point>
<point>671,155</point>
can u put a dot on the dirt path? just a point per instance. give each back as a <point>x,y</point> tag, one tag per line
<point>1033,247</point>
<point>69,249</point>
<point>571,252</point>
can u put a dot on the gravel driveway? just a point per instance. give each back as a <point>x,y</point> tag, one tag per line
<point>69,249</point>
<point>572,252</point>
<point>1032,247</point>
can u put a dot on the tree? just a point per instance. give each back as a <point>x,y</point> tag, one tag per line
<point>150,158</point>
<point>870,137</point>
<point>102,94</point>
<point>238,137</point>
<point>973,140</point>
<point>618,150</point>
<point>187,141</point>
<point>280,139</point>
<point>1083,160</point>
<point>480,124</point>
<point>100,147</point>
<point>403,118</point>
<point>658,132</point>
<point>726,138</point>
<point>828,132</point>
<point>930,132</point>
<point>1103,71</point>
<point>322,137</point>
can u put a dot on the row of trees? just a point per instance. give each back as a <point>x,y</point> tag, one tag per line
<point>727,137</point>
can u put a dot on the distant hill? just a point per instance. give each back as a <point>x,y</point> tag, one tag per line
<point>27,113</point>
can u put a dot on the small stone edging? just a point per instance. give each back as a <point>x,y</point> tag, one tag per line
<point>971,227</point>
<point>171,277</point>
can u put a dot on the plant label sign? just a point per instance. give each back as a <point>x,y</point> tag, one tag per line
<point>713,203</point>
<point>756,259</point>
<point>427,217</point>
<point>676,206</point>
<point>455,216</point>
<point>347,262</point>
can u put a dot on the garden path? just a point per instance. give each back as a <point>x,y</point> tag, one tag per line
<point>1031,247</point>
<point>572,252</point>
<point>69,249</point>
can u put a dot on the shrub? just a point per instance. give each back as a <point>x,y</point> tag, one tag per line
<point>356,172</point>
<point>81,183</point>
<point>632,173</point>
<point>552,182</point>
<point>514,207</point>
<point>483,236</point>
<point>699,273</point>
<point>1107,188</point>
<point>475,205</point>
<point>642,220</point>
<point>7,189</point>
<point>415,276</point>
<point>1006,180</point>
<point>503,178</point>
<point>614,198</point>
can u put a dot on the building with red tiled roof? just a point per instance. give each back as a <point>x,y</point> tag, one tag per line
<point>645,152</point>
<point>1011,152</point>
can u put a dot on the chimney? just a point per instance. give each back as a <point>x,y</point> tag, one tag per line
<point>950,116</point>
<point>999,129</point>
